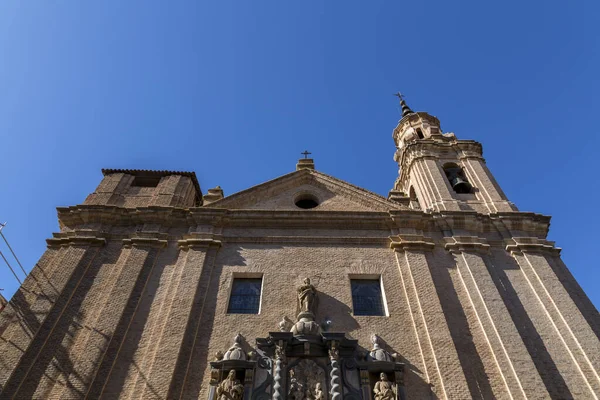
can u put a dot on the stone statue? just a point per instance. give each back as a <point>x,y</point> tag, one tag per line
<point>318,394</point>
<point>296,391</point>
<point>230,388</point>
<point>384,389</point>
<point>307,298</point>
<point>378,353</point>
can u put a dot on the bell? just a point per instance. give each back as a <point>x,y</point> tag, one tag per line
<point>460,185</point>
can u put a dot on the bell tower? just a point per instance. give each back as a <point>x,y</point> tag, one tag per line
<point>439,172</point>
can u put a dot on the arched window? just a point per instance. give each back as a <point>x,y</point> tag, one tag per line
<point>414,201</point>
<point>456,177</point>
<point>420,133</point>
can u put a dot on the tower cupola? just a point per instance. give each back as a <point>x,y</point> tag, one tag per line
<point>438,172</point>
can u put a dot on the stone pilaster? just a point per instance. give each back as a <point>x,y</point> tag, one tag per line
<point>187,290</point>
<point>493,329</point>
<point>78,251</point>
<point>447,380</point>
<point>568,337</point>
<point>142,252</point>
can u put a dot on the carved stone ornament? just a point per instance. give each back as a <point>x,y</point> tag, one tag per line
<point>306,381</point>
<point>377,353</point>
<point>230,388</point>
<point>384,389</point>
<point>235,352</point>
<point>286,324</point>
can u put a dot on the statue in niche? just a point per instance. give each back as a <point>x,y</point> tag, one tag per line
<point>308,300</point>
<point>307,379</point>
<point>318,392</point>
<point>296,391</point>
<point>384,389</point>
<point>230,388</point>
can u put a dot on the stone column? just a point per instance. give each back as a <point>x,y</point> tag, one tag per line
<point>334,375</point>
<point>278,374</point>
<point>365,384</point>
<point>248,383</point>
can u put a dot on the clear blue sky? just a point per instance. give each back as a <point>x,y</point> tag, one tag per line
<point>236,90</point>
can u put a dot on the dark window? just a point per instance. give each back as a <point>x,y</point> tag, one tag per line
<point>420,133</point>
<point>366,297</point>
<point>245,296</point>
<point>146,181</point>
<point>307,201</point>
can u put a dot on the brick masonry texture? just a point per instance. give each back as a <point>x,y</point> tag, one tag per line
<point>130,299</point>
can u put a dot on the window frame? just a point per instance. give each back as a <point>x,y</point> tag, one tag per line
<point>244,276</point>
<point>370,277</point>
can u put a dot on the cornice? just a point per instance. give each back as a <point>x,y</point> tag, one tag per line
<point>518,222</point>
<point>310,240</point>
<point>104,218</point>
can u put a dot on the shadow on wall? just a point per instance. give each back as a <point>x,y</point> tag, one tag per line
<point>61,325</point>
<point>337,312</point>
<point>470,361</point>
<point>543,361</point>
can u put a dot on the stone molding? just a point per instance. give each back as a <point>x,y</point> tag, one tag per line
<point>77,237</point>
<point>212,222</point>
<point>310,240</point>
<point>411,243</point>
<point>530,245</point>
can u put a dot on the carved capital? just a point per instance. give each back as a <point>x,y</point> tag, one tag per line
<point>146,239</point>
<point>199,240</point>
<point>280,351</point>
<point>77,238</point>
<point>411,243</point>
<point>530,245</point>
<point>334,351</point>
<point>467,244</point>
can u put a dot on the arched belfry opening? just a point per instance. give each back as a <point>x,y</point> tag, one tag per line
<point>414,201</point>
<point>457,178</point>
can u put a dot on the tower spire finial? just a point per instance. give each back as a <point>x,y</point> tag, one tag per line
<point>405,108</point>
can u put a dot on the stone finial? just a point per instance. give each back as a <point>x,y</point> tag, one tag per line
<point>213,195</point>
<point>235,352</point>
<point>377,353</point>
<point>305,163</point>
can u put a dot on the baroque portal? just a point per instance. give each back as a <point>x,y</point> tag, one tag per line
<point>301,362</point>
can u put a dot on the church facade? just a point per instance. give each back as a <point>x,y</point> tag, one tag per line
<point>304,287</point>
